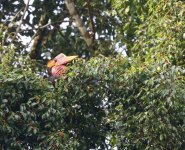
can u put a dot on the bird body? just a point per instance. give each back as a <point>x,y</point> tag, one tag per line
<point>58,70</point>
<point>57,66</point>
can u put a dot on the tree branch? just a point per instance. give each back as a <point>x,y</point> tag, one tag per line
<point>39,38</point>
<point>91,19</point>
<point>51,23</point>
<point>78,21</point>
<point>16,15</point>
<point>21,21</point>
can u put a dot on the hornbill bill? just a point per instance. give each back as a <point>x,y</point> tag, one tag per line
<point>57,66</point>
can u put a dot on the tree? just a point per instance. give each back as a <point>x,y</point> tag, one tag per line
<point>43,20</point>
<point>152,27</point>
<point>102,102</point>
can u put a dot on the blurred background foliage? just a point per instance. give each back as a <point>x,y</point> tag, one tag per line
<point>106,100</point>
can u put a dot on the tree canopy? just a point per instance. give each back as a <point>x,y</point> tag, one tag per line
<point>105,100</point>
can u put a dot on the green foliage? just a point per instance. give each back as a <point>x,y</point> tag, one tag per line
<point>133,102</point>
<point>150,111</point>
<point>153,26</point>
<point>126,103</point>
<point>28,109</point>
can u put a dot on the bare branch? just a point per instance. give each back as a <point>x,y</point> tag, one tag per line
<point>78,21</point>
<point>51,23</point>
<point>39,38</point>
<point>31,39</point>
<point>21,21</point>
<point>42,27</point>
<point>17,14</point>
<point>91,19</point>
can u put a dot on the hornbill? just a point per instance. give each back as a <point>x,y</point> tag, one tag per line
<point>57,66</point>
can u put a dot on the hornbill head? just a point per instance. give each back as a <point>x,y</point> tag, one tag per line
<point>57,66</point>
